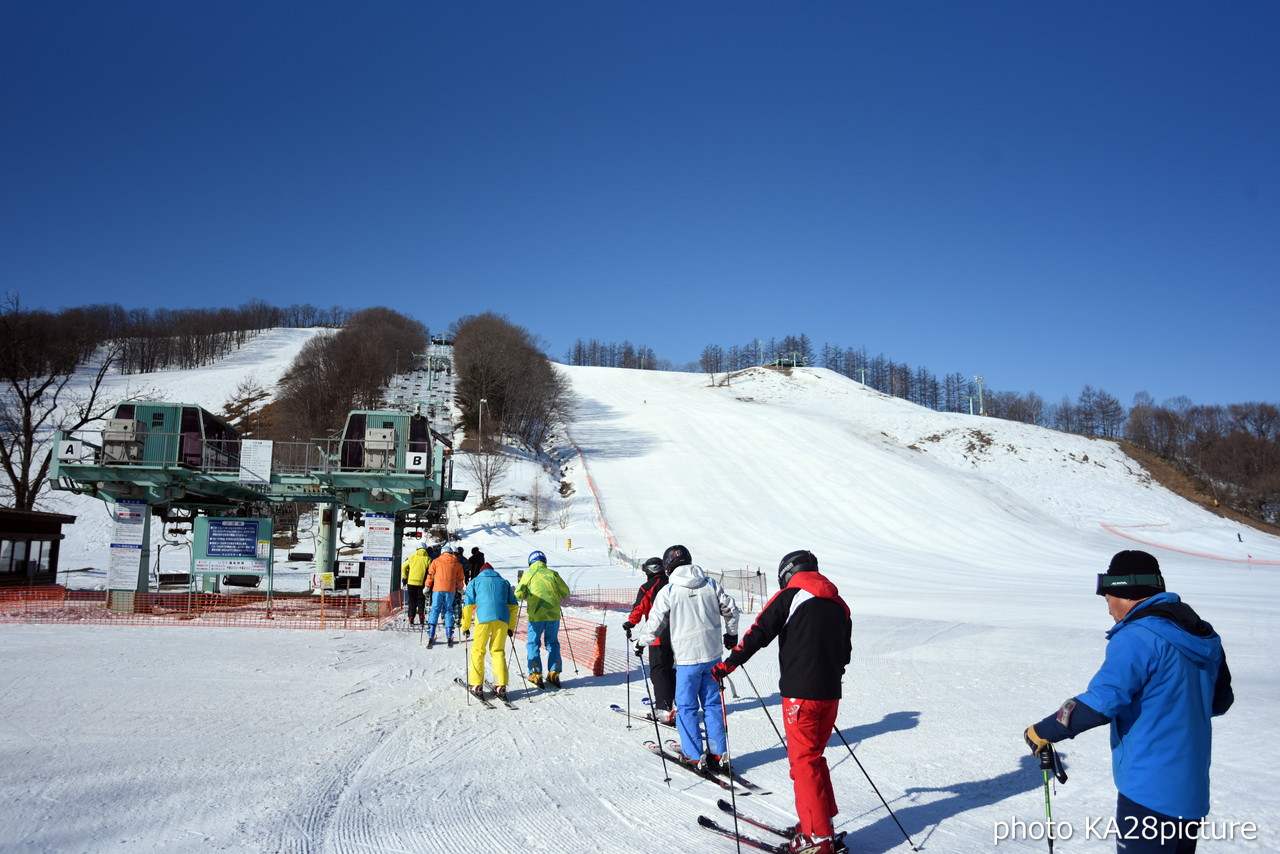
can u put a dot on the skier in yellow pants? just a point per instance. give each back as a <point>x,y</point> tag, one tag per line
<point>490,600</point>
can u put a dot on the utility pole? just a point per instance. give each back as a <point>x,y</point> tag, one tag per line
<point>981,409</point>
<point>480,429</point>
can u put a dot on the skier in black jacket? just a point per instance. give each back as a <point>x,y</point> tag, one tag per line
<point>814,634</point>
<point>662,663</point>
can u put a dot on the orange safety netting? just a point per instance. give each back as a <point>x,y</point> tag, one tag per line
<point>582,641</point>
<point>249,610</point>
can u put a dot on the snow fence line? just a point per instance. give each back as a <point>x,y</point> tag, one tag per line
<point>583,641</point>
<point>1115,529</point>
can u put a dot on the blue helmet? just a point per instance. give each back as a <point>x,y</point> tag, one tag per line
<point>534,557</point>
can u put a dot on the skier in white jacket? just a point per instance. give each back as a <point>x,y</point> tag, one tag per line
<point>691,605</point>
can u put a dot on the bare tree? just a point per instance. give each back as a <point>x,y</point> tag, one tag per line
<point>539,504</point>
<point>38,395</point>
<point>486,467</point>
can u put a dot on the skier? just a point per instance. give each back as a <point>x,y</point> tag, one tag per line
<point>662,666</point>
<point>413,573</point>
<point>445,581</point>
<point>490,600</point>
<point>475,563</point>
<point>1164,676</point>
<point>814,634</point>
<point>690,607</point>
<point>543,588</point>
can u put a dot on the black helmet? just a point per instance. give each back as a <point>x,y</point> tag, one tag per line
<point>801,561</point>
<point>676,556</point>
<point>653,566</point>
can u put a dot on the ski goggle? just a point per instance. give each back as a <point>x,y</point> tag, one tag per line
<point>1146,579</point>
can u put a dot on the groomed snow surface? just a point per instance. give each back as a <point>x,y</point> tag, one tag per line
<point>965,546</point>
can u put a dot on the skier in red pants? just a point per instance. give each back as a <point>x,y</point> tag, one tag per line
<point>814,634</point>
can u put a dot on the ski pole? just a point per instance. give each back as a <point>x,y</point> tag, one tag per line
<point>728,758</point>
<point>515,655</point>
<point>1050,764</point>
<point>877,791</point>
<point>568,637</point>
<point>752,683</point>
<point>626,640</point>
<point>656,734</point>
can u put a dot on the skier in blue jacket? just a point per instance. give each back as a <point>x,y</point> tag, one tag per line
<point>1164,677</point>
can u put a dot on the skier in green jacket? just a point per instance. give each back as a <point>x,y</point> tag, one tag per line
<point>543,588</point>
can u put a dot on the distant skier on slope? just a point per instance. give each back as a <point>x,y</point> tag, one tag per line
<point>544,589</point>
<point>814,634</point>
<point>1162,680</point>
<point>662,664</point>
<point>490,600</point>
<point>691,606</point>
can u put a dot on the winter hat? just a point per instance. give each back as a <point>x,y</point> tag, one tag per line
<point>676,556</point>
<point>1131,575</point>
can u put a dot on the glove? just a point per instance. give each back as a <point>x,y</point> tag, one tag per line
<point>730,641</point>
<point>720,671</point>
<point>1034,741</point>
<point>466,634</point>
<point>626,629</point>
<point>639,650</point>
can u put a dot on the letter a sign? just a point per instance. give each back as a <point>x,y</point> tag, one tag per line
<point>69,451</point>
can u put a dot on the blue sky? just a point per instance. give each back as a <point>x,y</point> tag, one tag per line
<point>1045,194</point>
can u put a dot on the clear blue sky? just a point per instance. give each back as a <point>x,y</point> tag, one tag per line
<point>1048,194</point>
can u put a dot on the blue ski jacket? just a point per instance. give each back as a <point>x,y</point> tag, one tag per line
<point>1160,683</point>
<point>489,597</point>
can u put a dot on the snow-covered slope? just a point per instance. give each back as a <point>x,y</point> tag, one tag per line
<point>965,546</point>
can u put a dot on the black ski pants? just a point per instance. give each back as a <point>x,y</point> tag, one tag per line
<point>662,670</point>
<point>417,602</point>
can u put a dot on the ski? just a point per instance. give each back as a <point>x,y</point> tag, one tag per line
<point>677,759</point>
<point>725,806</point>
<point>673,748</point>
<point>727,832</point>
<point>623,711</point>
<point>503,700</point>
<point>467,688</point>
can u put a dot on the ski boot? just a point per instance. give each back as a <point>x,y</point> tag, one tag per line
<point>536,678</point>
<point>500,691</point>
<point>711,763</point>
<point>553,678</point>
<point>477,690</point>
<point>802,843</point>
<point>431,641</point>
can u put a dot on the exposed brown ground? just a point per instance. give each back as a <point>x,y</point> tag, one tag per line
<point>1191,488</point>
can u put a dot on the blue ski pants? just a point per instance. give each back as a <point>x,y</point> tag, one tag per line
<point>537,631</point>
<point>442,602</point>
<point>695,688</point>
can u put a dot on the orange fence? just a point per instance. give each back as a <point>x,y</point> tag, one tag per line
<point>250,610</point>
<point>582,641</point>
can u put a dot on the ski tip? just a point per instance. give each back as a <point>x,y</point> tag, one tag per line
<point>705,822</point>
